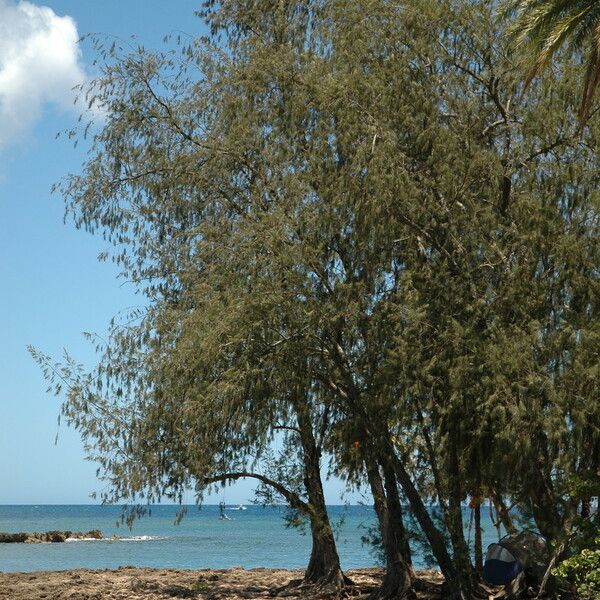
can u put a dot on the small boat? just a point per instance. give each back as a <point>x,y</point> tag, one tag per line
<point>238,507</point>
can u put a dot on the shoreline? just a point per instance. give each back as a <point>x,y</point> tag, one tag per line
<point>138,583</point>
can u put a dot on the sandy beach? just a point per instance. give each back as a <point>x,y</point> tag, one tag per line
<point>129,583</point>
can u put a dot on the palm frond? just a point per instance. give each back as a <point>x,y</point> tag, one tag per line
<point>552,40</point>
<point>542,27</point>
<point>592,78</point>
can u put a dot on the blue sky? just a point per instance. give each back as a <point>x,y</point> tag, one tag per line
<point>52,286</point>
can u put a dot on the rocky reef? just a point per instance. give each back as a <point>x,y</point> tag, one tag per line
<point>48,537</point>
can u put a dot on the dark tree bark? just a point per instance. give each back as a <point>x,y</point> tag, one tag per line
<point>324,565</point>
<point>383,440</point>
<point>503,513</point>
<point>397,582</point>
<point>545,513</point>
<point>323,568</point>
<point>395,509</point>
<point>462,585</point>
<point>544,500</point>
<point>478,540</point>
<point>433,535</point>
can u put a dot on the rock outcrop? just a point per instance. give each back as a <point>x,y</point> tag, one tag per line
<point>48,537</point>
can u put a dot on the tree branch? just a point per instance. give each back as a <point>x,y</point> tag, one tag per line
<point>293,498</point>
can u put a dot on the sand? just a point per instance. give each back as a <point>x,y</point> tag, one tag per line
<point>129,583</point>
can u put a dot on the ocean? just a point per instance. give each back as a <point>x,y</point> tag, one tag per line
<point>255,537</point>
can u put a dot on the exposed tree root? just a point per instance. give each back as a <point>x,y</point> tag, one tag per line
<point>394,588</point>
<point>333,584</point>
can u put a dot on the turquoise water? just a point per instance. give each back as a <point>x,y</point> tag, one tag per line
<point>256,537</point>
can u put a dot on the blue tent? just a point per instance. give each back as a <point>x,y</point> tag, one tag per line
<point>514,553</point>
<point>500,566</point>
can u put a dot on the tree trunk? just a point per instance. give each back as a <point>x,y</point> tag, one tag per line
<point>324,568</point>
<point>547,518</point>
<point>462,585</point>
<point>395,509</point>
<point>434,537</point>
<point>478,540</point>
<point>503,513</point>
<point>544,501</point>
<point>397,582</point>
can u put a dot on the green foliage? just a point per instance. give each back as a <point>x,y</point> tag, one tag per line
<point>371,537</point>
<point>545,26</point>
<point>419,541</point>
<point>581,572</point>
<point>352,229</point>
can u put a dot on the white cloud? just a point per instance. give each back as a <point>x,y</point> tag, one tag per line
<point>39,64</point>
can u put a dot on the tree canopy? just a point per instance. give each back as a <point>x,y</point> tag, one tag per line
<point>360,243</point>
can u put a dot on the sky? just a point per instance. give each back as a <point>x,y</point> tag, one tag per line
<point>52,287</point>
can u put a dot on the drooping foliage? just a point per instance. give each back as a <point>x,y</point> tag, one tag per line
<point>360,242</point>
